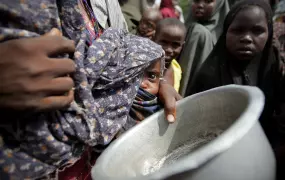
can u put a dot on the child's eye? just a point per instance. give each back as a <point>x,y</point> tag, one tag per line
<point>149,25</point>
<point>258,30</point>
<point>209,1</point>
<point>152,76</point>
<point>236,30</point>
<point>176,45</point>
<point>163,42</point>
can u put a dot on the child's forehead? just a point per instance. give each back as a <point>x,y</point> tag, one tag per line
<point>152,16</point>
<point>156,64</point>
<point>171,30</point>
<point>250,11</point>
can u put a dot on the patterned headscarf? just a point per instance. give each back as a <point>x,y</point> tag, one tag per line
<point>279,28</point>
<point>279,37</point>
<point>107,78</point>
<point>280,11</point>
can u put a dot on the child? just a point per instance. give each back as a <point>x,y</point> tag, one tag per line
<point>107,81</point>
<point>204,26</point>
<point>146,101</point>
<point>147,24</point>
<point>170,34</point>
<point>244,55</point>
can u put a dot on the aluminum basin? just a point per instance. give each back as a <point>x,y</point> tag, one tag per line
<point>217,136</point>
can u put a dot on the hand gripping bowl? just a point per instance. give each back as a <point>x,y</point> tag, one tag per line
<point>217,136</point>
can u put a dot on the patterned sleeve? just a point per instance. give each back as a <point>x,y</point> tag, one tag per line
<point>106,81</point>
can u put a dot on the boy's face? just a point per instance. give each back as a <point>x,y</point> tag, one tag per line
<point>203,9</point>
<point>151,77</point>
<point>171,39</point>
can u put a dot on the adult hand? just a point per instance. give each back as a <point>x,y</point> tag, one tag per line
<point>30,75</point>
<point>168,96</point>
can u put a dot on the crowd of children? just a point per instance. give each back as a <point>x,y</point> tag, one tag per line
<point>65,100</point>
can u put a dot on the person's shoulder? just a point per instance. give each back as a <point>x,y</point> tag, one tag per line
<point>200,28</point>
<point>176,67</point>
<point>210,67</point>
<point>201,32</point>
<point>206,77</point>
<point>175,64</point>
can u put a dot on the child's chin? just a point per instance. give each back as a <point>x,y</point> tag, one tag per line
<point>167,64</point>
<point>168,59</point>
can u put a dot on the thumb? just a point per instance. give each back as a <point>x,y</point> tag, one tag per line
<point>54,32</point>
<point>178,97</point>
<point>170,109</point>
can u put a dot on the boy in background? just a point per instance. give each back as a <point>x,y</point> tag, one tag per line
<point>170,34</point>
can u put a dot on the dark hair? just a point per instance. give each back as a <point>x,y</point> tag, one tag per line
<point>169,22</point>
<point>246,4</point>
<point>268,56</point>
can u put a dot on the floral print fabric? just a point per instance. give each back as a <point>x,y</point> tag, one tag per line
<point>144,105</point>
<point>107,78</point>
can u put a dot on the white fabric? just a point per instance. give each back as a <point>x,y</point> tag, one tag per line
<point>157,3</point>
<point>105,10</point>
<point>146,4</point>
<point>179,9</point>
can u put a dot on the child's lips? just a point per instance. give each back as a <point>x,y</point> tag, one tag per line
<point>245,53</point>
<point>199,13</point>
<point>168,57</point>
<point>245,50</point>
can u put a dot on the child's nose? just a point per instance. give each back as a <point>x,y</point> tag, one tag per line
<point>168,49</point>
<point>144,84</point>
<point>200,4</point>
<point>246,39</point>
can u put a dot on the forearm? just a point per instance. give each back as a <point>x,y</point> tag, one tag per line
<point>169,76</point>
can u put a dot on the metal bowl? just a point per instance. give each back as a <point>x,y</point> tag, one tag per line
<point>217,136</point>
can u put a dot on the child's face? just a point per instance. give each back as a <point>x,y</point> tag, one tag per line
<point>148,22</point>
<point>146,26</point>
<point>151,77</point>
<point>171,39</point>
<point>248,33</point>
<point>203,9</point>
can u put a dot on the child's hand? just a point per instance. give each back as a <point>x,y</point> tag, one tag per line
<point>30,78</point>
<point>168,96</point>
<point>150,35</point>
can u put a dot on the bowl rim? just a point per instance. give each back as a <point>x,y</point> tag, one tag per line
<point>223,142</point>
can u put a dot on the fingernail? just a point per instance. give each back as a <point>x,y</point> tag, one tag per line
<point>170,118</point>
<point>53,32</point>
